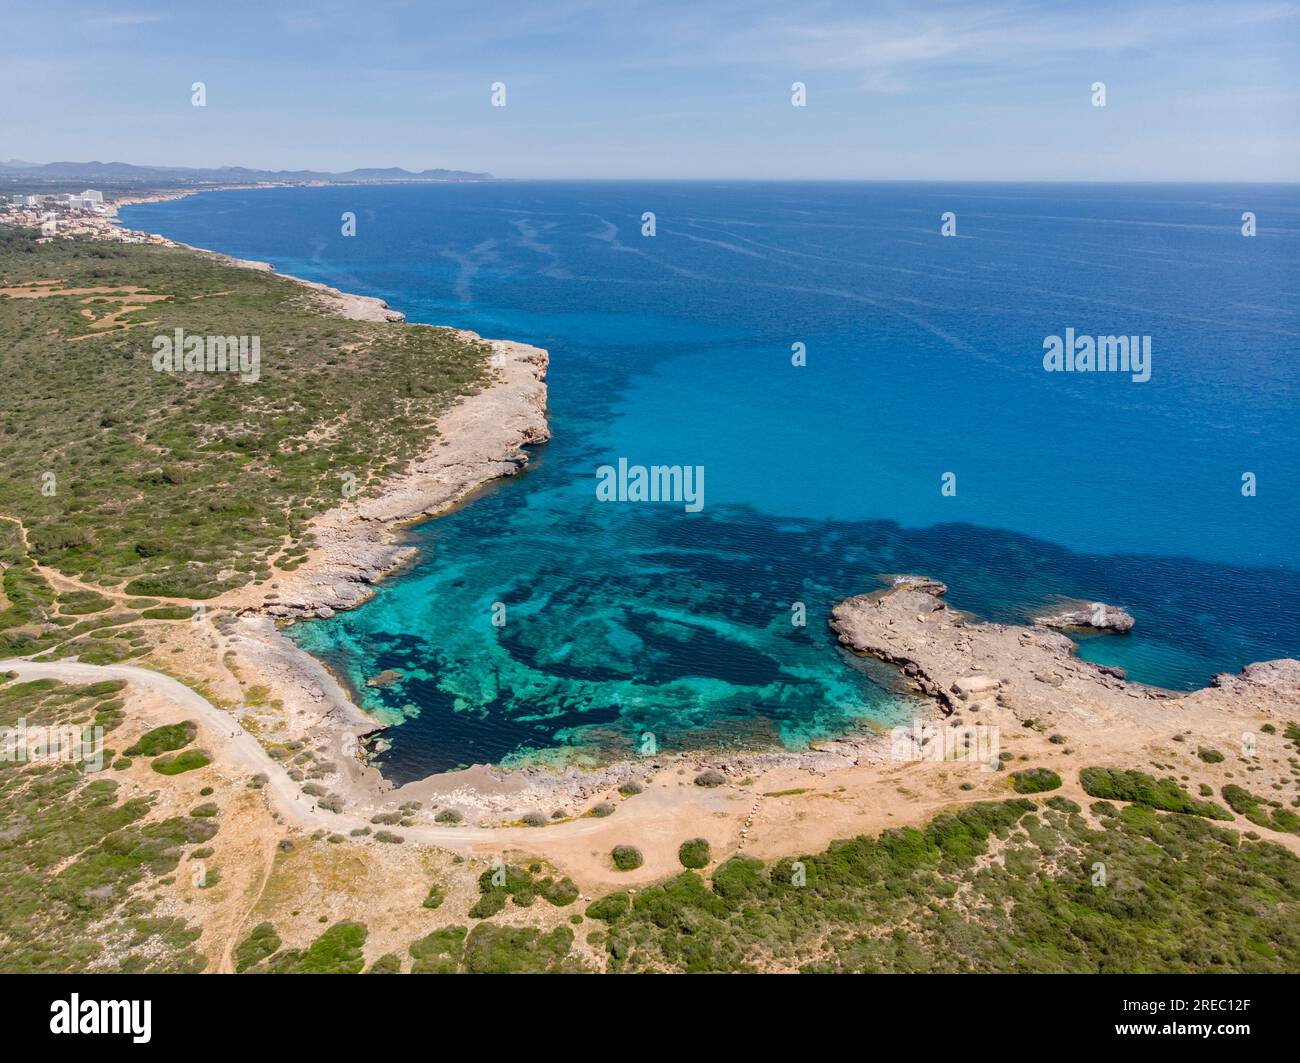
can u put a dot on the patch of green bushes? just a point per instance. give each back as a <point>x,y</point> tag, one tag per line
<point>175,764</point>
<point>1035,781</point>
<point>163,739</point>
<point>1164,795</point>
<point>993,887</point>
<point>1259,811</point>
<point>694,853</point>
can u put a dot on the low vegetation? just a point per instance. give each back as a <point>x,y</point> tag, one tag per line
<point>1035,781</point>
<point>336,951</point>
<point>81,867</point>
<point>163,739</point>
<point>1260,811</point>
<point>995,887</point>
<point>262,942</point>
<point>1164,795</point>
<point>520,886</point>
<point>695,853</point>
<point>175,763</point>
<point>493,949</point>
<point>185,485</point>
<point>1007,886</point>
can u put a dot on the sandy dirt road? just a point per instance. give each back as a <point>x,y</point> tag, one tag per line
<point>232,746</point>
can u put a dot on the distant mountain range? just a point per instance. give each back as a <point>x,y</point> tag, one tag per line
<point>127,172</point>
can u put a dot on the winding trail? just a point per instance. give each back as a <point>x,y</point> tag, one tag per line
<point>226,962</point>
<point>61,581</point>
<point>232,746</point>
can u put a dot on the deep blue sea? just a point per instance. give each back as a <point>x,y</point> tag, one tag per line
<point>923,357</point>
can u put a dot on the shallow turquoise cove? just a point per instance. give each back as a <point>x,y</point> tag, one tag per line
<point>924,356</point>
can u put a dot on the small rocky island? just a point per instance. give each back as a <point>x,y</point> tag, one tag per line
<point>1098,616</point>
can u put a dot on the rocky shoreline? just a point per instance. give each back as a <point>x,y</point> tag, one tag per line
<point>480,439</point>
<point>986,673</point>
<point>963,668</point>
<point>969,672</point>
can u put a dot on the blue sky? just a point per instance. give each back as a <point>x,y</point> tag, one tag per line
<point>925,90</point>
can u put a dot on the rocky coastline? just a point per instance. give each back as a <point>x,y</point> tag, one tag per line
<point>480,439</point>
<point>987,673</point>
<point>963,669</point>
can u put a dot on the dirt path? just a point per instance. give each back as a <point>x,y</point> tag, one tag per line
<point>61,582</point>
<point>232,746</point>
<point>863,799</point>
<point>226,965</point>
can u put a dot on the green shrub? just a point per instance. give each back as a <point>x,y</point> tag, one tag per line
<point>627,857</point>
<point>174,764</point>
<point>336,951</point>
<point>560,893</point>
<point>609,907</point>
<point>80,603</point>
<point>501,883</point>
<point>439,952</point>
<point>739,877</point>
<point>163,739</point>
<point>1164,795</point>
<point>260,943</point>
<point>492,949</point>
<point>694,853</point>
<point>1035,781</point>
<point>168,612</point>
<point>1257,810</point>
<point>488,904</point>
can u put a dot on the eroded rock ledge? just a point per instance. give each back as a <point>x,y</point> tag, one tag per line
<point>988,670</point>
<point>479,439</point>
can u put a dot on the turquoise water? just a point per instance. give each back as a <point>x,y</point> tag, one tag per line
<point>923,357</point>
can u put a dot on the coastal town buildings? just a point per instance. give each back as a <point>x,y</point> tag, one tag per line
<point>71,214</point>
